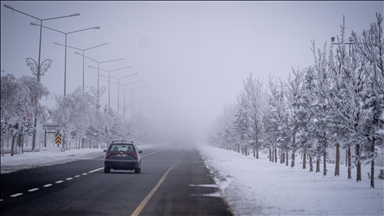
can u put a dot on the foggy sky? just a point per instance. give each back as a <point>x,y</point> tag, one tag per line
<point>193,56</point>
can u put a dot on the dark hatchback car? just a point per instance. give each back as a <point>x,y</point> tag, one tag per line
<point>122,156</point>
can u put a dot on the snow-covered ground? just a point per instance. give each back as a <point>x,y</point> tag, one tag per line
<point>260,187</point>
<point>254,187</point>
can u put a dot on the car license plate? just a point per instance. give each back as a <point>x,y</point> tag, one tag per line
<point>121,155</point>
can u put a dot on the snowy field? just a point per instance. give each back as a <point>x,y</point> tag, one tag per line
<point>254,187</point>
<point>260,187</point>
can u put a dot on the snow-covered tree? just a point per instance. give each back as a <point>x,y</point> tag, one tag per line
<point>371,46</point>
<point>292,93</point>
<point>20,104</point>
<point>255,98</point>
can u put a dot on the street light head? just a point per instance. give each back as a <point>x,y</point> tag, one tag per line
<point>7,6</point>
<point>34,24</point>
<point>77,53</point>
<point>76,14</point>
<point>97,27</point>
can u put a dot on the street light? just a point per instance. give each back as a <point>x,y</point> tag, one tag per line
<point>65,57</point>
<point>139,88</point>
<point>98,73</point>
<point>83,50</point>
<point>125,85</point>
<point>109,83</point>
<point>118,87</point>
<point>38,66</point>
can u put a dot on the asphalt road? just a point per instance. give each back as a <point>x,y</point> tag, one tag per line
<point>173,181</point>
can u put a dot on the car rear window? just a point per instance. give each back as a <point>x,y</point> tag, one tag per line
<point>122,147</point>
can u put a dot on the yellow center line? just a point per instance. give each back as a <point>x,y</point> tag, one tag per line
<point>153,191</point>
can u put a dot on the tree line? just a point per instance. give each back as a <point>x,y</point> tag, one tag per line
<point>336,103</point>
<point>83,124</point>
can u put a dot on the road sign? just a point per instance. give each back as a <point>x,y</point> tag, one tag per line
<point>51,126</point>
<point>58,139</point>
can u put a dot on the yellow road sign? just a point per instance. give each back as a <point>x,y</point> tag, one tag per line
<point>58,139</point>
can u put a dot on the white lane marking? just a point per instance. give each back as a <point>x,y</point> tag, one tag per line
<point>204,185</point>
<point>33,189</point>
<point>215,194</point>
<point>16,195</point>
<point>85,173</point>
<point>47,185</point>
<point>68,179</point>
<point>77,176</point>
<point>58,182</point>
<point>96,170</point>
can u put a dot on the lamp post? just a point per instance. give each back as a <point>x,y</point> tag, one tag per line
<point>83,50</point>
<point>118,87</point>
<point>124,107</point>
<point>37,65</point>
<point>65,56</point>
<point>98,74</point>
<point>109,83</point>
<point>132,96</point>
<point>38,74</point>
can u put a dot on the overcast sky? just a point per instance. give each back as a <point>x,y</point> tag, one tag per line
<point>193,56</point>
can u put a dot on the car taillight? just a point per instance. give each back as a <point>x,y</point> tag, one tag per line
<point>134,155</point>
<point>107,155</point>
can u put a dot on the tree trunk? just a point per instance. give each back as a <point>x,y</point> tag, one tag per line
<point>2,146</point>
<point>293,159</point>
<point>270,154</point>
<point>287,158</point>
<point>358,164</point>
<point>275,155</point>
<point>337,165</point>
<point>310,164</point>
<point>325,163</point>
<point>281,156</point>
<point>13,145</point>
<point>373,165</point>
<point>317,165</point>
<point>304,161</point>
<point>256,142</point>
<point>325,158</point>
<point>349,163</point>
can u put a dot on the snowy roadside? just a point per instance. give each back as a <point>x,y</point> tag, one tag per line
<point>50,156</point>
<point>260,187</point>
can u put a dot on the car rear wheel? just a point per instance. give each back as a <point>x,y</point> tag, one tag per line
<point>137,170</point>
<point>107,169</point>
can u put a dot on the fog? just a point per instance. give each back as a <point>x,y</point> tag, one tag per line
<point>193,56</point>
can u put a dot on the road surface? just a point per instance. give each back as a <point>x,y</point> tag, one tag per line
<point>174,181</point>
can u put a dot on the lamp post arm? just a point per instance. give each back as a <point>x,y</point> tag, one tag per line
<point>35,24</point>
<point>112,60</point>
<point>9,7</point>
<point>68,46</point>
<point>97,27</point>
<point>87,57</point>
<point>95,46</point>
<point>72,15</point>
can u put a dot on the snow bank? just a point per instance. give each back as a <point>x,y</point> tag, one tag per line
<point>260,187</point>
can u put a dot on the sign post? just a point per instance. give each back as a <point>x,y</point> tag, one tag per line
<point>51,127</point>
